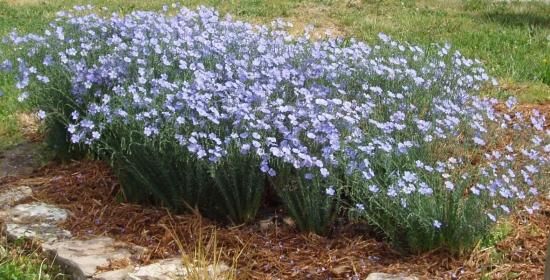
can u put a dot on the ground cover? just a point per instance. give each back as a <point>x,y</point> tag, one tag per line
<point>24,262</point>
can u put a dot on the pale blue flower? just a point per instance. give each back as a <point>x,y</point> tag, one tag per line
<point>330,191</point>
<point>41,114</point>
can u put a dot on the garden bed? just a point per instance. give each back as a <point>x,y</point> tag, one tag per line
<point>91,193</point>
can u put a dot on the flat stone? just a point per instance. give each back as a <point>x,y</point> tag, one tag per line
<point>37,232</point>
<point>169,269</point>
<point>119,274</point>
<point>9,196</point>
<point>163,270</point>
<point>82,258</point>
<point>385,276</point>
<point>36,212</point>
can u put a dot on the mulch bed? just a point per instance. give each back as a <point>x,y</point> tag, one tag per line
<point>91,192</point>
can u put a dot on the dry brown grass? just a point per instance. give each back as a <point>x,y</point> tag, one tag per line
<point>25,2</point>
<point>317,16</point>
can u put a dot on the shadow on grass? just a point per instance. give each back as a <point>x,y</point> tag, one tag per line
<point>518,19</point>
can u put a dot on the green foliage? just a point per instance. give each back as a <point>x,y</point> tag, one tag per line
<point>411,229</point>
<point>58,141</point>
<point>455,220</point>
<point>240,184</point>
<point>546,68</point>
<point>162,173</point>
<point>307,201</point>
<point>475,5</point>
<point>164,178</point>
<point>498,233</point>
<point>19,264</point>
<point>55,98</point>
<point>9,106</point>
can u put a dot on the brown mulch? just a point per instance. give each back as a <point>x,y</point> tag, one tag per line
<point>91,192</point>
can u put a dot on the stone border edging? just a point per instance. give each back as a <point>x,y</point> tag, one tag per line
<point>82,259</point>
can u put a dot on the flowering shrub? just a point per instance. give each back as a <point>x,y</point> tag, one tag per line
<point>200,111</point>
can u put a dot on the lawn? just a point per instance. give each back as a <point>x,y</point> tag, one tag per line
<point>512,39</point>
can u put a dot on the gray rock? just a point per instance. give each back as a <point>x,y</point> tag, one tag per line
<point>37,232</point>
<point>82,258</point>
<point>11,195</point>
<point>162,270</point>
<point>169,269</point>
<point>385,276</point>
<point>36,212</point>
<point>119,274</point>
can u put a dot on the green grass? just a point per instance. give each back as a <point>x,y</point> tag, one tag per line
<point>512,39</point>
<point>497,257</point>
<point>498,234</point>
<point>17,263</point>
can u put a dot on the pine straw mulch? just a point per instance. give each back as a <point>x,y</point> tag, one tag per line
<point>90,191</point>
